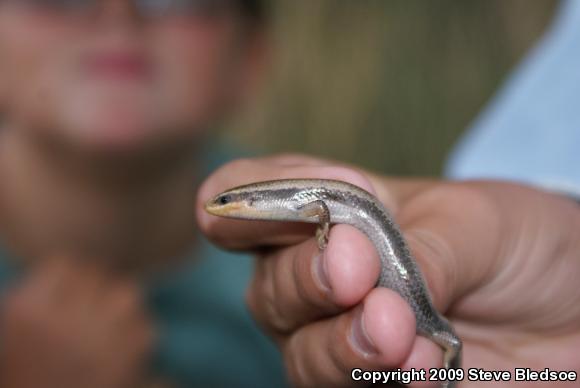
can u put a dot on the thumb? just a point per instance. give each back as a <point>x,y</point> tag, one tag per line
<point>454,233</point>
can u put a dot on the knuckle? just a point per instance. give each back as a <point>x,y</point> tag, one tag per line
<point>249,299</point>
<point>295,363</point>
<point>293,292</point>
<point>253,304</point>
<point>431,221</point>
<point>328,372</point>
<point>470,193</point>
<point>264,302</point>
<point>447,197</point>
<point>275,316</point>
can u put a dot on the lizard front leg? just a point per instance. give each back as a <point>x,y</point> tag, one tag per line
<point>319,209</point>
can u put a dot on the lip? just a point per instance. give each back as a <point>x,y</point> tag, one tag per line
<point>119,64</point>
<point>221,210</point>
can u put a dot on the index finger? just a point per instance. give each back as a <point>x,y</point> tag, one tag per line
<point>243,235</point>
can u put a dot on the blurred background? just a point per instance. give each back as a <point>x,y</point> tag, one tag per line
<point>387,84</point>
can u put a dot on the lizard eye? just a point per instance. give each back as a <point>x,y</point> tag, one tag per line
<point>224,199</point>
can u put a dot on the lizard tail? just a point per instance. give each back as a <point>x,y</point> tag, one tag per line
<point>452,346</point>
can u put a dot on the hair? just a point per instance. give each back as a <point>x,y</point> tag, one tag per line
<point>255,10</point>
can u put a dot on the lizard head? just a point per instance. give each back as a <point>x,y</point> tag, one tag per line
<point>259,201</point>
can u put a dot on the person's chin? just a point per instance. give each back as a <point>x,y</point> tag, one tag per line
<point>117,137</point>
<point>104,134</point>
<point>115,128</point>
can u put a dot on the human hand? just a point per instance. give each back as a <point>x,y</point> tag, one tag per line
<point>70,325</point>
<point>501,260</point>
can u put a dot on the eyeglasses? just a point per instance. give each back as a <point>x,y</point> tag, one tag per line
<point>147,8</point>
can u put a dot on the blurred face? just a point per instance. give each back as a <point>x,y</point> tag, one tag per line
<point>119,74</point>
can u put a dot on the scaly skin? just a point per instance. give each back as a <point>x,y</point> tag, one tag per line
<point>335,202</point>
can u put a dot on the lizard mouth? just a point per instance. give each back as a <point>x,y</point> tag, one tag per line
<point>236,209</point>
<point>223,210</point>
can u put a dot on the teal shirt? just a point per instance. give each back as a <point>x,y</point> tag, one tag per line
<point>206,336</point>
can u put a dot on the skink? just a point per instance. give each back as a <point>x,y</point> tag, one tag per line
<point>329,202</point>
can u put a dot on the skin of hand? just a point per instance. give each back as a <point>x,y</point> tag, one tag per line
<point>70,325</point>
<point>501,260</point>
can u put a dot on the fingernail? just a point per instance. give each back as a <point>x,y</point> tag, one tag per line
<point>320,270</point>
<point>359,338</point>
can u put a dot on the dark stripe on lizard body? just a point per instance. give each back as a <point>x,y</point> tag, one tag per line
<point>314,200</point>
